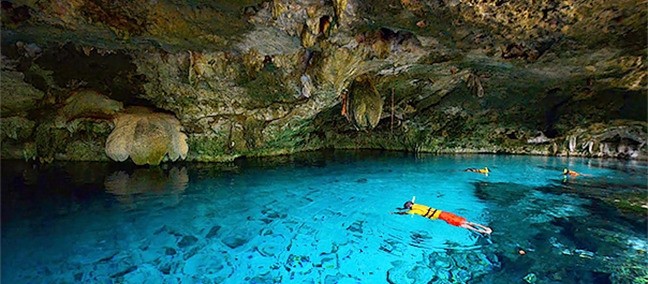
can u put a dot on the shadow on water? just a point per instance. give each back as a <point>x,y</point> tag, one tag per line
<point>31,189</point>
<point>24,181</point>
<point>319,158</point>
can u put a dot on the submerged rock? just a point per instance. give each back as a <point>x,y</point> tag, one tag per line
<point>213,231</point>
<point>187,241</point>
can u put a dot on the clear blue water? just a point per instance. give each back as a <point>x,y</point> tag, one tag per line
<point>322,218</point>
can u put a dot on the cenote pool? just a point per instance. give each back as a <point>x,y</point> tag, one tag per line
<point>323,217</point>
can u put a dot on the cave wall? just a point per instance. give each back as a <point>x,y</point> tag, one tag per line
<point>246,78</point>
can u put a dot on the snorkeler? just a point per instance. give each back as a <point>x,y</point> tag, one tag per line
<point>568,172</point>
<point>485,170</point>
<point>450,218</point>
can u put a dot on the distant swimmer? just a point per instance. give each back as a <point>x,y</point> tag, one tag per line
<point>485,170</point>
<point>450,218</point>
<point>568,172</point>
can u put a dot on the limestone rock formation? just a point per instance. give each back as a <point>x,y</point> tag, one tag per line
<point>18,97</point>
<point>258,77</point>
<point>365,104</point>
<point>620,139</point>
<point>146,137</point>
<point>89,104</point>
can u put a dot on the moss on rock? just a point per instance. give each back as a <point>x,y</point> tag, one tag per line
<point>17,96</point>
<point>16,128</point>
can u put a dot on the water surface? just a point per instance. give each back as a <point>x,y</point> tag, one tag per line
<point>322,218</point>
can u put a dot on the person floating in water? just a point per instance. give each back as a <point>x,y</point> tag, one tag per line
<point>568,172</point>
<point>450,218</point>
<point>485,170</point>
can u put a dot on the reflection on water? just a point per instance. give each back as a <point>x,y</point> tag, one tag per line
<point>147,181</point>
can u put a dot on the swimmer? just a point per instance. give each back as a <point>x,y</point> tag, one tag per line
<point>485,170</point>
<point>450,218</point>
<point>568,172</point>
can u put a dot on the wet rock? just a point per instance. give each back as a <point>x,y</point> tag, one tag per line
<point>169,251</point>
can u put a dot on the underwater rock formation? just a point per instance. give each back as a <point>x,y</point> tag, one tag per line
<point>146,137</point>
<point>247,78</point>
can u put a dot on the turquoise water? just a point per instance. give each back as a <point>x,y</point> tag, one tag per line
<point>322,218</point>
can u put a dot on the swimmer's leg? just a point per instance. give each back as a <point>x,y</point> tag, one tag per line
<point>477,228</point>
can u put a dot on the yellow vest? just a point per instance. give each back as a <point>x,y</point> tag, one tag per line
<point>425,211</point>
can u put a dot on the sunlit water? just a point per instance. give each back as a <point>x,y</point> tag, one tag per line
<point>322,218</point>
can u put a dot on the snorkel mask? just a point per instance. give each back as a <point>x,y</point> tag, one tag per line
<point>409,203</point>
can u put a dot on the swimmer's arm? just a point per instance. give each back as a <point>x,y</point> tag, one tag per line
<point>401,212</point>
